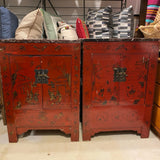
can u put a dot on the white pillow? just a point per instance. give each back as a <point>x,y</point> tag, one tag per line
<point>31,26</point>
<point>66,32</point>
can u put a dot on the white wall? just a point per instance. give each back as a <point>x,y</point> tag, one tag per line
<point>69,10</point>
<point>136,5</point>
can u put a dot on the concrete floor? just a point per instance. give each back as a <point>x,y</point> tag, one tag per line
<point>54,145</point>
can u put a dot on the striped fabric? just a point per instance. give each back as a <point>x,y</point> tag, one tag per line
<point>123,23</point>
<point>99,23</point>
<point>152,9</point>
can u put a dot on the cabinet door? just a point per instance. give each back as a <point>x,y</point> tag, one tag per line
<point>104,90</point>
<point>26,93</point>
<point>57,92</point>
<point>99,88</point>
<point>133,90</point>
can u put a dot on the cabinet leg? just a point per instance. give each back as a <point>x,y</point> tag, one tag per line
<point>75,134</point>
<point>86,136</point>
<point>12,135</point>
<point>4,116</point>
<point>144,132</point>
<point>13,139</point>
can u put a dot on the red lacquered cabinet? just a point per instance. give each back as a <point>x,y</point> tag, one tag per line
<point>41,86</point>
<point>118,85</point>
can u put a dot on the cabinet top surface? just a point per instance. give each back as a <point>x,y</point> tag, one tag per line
<point>76,41</point>
<point>38,41</point>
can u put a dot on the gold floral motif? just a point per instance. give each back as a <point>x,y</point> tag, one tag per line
<point>55,98</point>
<point>18,105</point>
<point>32,96</point>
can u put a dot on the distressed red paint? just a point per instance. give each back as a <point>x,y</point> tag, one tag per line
<point>112,105</point>
<point>30,105</point>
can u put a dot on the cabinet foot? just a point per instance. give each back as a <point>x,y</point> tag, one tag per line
<point>86,136</point>
<point>12,134</point>
<point>75,135</point>
<point>13,138</point>
<point>4,116</point>
<point>144,132</point>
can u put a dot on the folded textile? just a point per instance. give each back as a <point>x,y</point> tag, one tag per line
<point>152,9</point>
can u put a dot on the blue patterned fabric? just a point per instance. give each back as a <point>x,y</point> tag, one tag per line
<point>99,23</point>
<point>123,23</point>
<point>8,23</point>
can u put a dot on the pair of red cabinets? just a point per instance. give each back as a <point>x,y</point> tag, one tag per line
<point>41,85</point>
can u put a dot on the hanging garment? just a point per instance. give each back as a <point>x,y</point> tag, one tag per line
<point>152,9</point>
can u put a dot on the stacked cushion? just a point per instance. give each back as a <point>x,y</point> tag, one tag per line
<point>50,25</point>
<point>81,29</point>
<point>99,23</point>
<point>8,24</point>
<point>123,23</point>
<point>103,25</point>
<point>31,26</point>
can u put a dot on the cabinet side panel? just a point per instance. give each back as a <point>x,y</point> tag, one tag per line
<point>7,94</point>
<point>153,51</point>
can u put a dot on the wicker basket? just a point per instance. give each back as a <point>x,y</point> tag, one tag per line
<point>153,29</point>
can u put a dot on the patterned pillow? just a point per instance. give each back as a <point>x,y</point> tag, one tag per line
<point>8,23</point>
<point>66,31</point>
<point>81,29</point>
<point>123,23</point>
<point>99,23</point>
